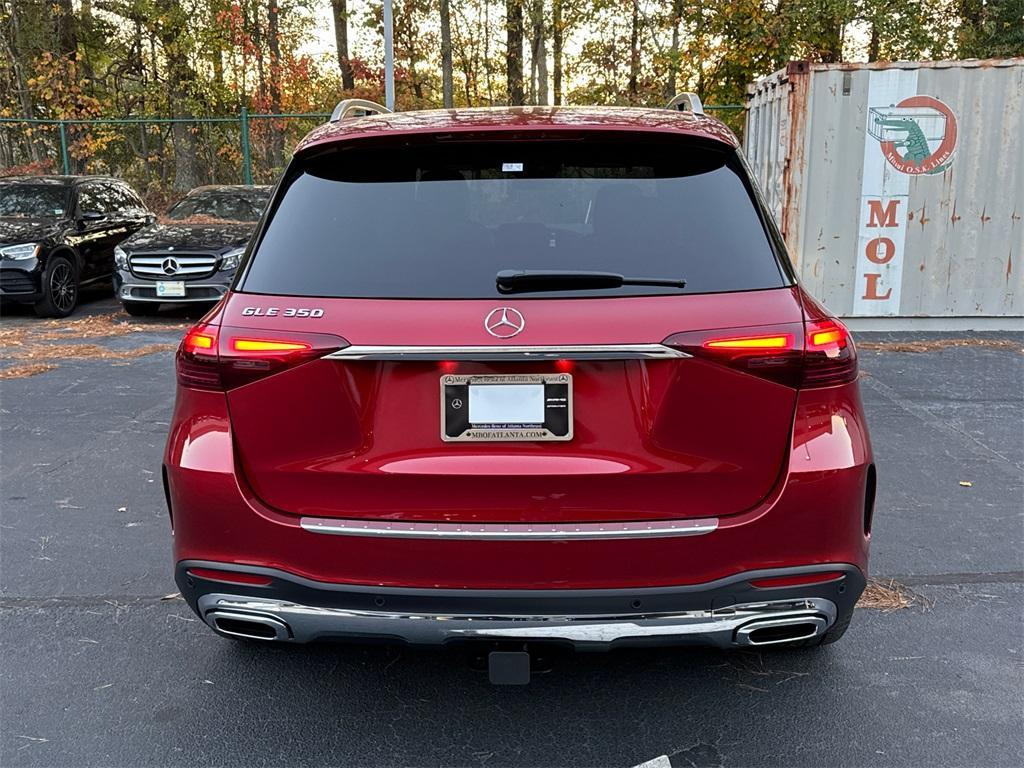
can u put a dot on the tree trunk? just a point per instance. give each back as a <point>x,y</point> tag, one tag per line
<point>24,96</point>
<point>67,38</point>
<point>488,82</point>
<point>556,48</point>
<point>340,9</point>
<point>634,54</point>
<point>673,64</point>
<point>446,55</point>
<point>274,44</point>
<point>539,55</point>
<point>180,82</point>
<point>514,51</point>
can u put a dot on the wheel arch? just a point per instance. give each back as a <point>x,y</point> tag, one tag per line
<point>68,252</point>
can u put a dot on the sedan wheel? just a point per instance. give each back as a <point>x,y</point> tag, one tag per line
<point>60,289</point>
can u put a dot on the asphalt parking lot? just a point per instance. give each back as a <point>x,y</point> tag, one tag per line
<point>101,665</point>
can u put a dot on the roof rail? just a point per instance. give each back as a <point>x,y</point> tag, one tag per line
<point>686,102</point>
<point>357,108</point>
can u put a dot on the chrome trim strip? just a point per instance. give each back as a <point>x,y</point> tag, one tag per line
<point>495,352</point>
<point>722,627</point>
<point>511,531</point>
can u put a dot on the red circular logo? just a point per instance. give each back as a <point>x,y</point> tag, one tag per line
<point>912,153</point>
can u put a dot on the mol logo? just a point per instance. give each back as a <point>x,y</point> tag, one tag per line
<point>917,136</point>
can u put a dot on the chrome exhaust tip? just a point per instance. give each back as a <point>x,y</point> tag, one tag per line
<point>779,631</point>
<point>248,626</point>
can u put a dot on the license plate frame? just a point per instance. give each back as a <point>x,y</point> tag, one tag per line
<point>170,289</point>
<point>558,409</point>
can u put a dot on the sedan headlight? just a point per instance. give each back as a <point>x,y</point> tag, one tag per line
<point>120,258</point>
<point>229,260</point>
<point>21,251</point>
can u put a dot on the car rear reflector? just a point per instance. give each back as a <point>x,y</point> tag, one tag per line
<point>799,580</point>
<point>231,577</point>
<point>222,358</point>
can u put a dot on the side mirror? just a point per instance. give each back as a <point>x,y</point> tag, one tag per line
<point>91,217</point>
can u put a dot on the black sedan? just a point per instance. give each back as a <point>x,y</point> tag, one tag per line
<point>190,255</point>
<point>58,233</point>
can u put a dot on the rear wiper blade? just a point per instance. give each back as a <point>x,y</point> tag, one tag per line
<point>528,280</point>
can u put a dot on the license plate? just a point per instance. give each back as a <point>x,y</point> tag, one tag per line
<point>513,408</point>
<point>170,289</point>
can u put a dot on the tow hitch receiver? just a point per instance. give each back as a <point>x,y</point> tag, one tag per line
<point>508,667</point>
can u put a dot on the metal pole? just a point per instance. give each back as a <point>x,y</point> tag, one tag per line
<point>64,159</point>
<point>246,152</point>
<point>389,57</point>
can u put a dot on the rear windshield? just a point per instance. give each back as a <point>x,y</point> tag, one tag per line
<point>223,206</point>
<point>441,219</point>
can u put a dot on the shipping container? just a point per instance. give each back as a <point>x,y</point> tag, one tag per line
<point>899,187</point>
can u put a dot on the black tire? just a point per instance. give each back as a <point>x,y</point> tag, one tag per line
<point>60,288</point>
<point>141,308</point>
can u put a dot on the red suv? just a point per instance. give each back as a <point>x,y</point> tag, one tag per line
<point>520,375</point>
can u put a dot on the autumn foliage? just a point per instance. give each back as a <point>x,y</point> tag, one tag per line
<point>190,60</point>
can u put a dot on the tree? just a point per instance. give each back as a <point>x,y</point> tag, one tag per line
<point>556,48</point>
<point>990,28</point>
<point>538,54</point>
<point>340,11</point>
<point>276,154</point>
<point>514,51</point>
<point>446,54</point>
<point>171,28</point>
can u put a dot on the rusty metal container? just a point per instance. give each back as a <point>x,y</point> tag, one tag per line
<point>899,187</point>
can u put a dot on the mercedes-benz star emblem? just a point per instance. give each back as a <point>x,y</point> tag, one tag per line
<point>504,322</point>
<point>169,266</point>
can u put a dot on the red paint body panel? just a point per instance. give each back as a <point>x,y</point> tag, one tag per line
<point>814,515</point>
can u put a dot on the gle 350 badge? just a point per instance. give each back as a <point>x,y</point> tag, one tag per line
<point>286,312</point>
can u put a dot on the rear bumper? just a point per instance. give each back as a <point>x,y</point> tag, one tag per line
<point>729,612</point>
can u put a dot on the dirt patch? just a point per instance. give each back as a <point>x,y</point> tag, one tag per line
<point>937,345</point>
<point>24,371</point>
<point>80,352</point>
<point>888,596</point>
<point>49,340</point>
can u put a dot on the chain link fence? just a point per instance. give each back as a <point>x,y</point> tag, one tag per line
<point>158,156</point>
<point>163,157</point>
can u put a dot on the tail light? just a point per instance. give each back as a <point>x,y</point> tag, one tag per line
<point>197,358</point>
<point>770,352</point>
<point>830,357</point>
<point>819,353</point>
<point>222,358</point>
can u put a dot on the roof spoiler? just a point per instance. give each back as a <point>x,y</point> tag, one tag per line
<point>686,102</point>
<point>357,108</point>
